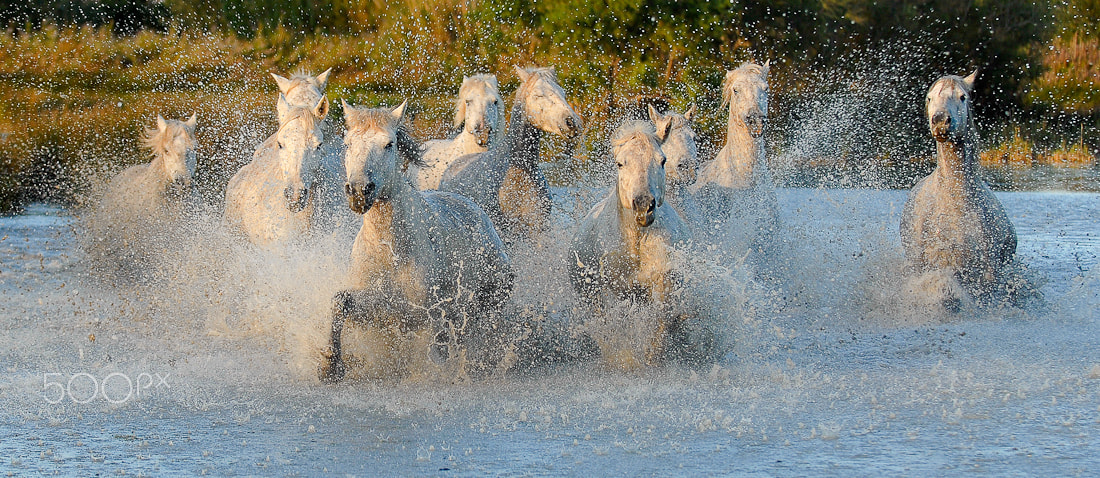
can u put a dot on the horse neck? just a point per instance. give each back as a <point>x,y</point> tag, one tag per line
<point>956,161</point>
<point>521,142</point>
<point>398,218</point>
<point>745,154</point>
<point>629,232</point>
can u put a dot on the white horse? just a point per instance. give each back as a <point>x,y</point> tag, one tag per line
<point>330,214</point>
<point>426,261</point>
<point>129,223</point>
<point>680,149</point>
<point>623,245</point>
<point>506,180</point>
<point>734,194</point>
<point>479,111</point>
<point>270,200</point>
<point>951,221</point>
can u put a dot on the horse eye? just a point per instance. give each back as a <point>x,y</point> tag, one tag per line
<point>962,98</point>
<point>663,162</point>
<point>389,145</point>
<point>619,165</point>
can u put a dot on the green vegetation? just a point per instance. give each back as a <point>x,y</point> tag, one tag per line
<point>79,79</point>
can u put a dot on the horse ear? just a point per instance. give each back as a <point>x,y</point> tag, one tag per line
<point>284,83</point>
<point>767,66</point>
<point>654,116</point>
<point>398,113</point>
<point>322,79</point>
<point>969,80</point>
<point>282,107</point>
<point>320,110</point>
<point>192,122</point>
<point>161,124</point>
<point>523,74</point>
<point>664,126</point>
<point>690,113</point>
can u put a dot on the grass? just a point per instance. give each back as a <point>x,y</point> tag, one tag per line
<point>1020,152</point>
<point>73,101</point>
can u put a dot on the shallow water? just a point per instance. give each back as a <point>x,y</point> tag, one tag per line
<point>824,377</point>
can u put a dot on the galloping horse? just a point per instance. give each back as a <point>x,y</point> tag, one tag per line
<point>952,221</point>
<point>426,261</point>
<point>737,206</point>
<point>623,245</point>
<point>129,225</point>
<point>271,199</point>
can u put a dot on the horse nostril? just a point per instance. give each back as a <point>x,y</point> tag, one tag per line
<point>571,123</point>
<point>368,189</point>
<point>347,189</point>
<point>644,203</point>
<point>941,118</point>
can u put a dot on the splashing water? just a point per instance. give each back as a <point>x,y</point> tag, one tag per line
<point>821,373</point>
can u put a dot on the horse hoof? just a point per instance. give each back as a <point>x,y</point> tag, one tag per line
<point>333,372</point>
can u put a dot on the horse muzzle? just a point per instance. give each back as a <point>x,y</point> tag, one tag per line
<point>645,209</point>
<point>360,199</point>
<point>482,133</point>
<point>940,126</point>
<point>572,127</point>
<point>296,199</point>
<point>756,125</point>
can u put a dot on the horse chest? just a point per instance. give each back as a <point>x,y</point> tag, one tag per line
<point>639,266</point>
<point>380,262</point>
<point>953,230</point>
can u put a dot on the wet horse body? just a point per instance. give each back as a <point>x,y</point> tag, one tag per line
<point>272,199</point>
<point>506,180</point>
<point>131,222</point>
<point>479,111</point>
<point>623,245</point>
<point>952,222</point>
<point>734,205</point>
<point>422,261</point>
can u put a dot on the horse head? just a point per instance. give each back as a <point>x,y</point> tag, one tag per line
<point>745,90</point>
<point>641,170</point>
<point>301,89</point>
<point>948,107</point>
<point>544,102</point>
<point>173,143</point>
<point>298,141</point>
<point>480,108</point>
<point>376,140</point>
<point>678,144</point>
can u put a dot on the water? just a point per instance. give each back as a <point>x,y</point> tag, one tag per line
<point>825,377</point>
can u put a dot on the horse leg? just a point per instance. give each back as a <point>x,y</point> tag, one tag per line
<point>334,369</point>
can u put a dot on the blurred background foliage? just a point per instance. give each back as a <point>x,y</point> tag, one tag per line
<point>79,79</point>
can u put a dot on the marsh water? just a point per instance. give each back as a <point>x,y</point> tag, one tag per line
<point>831,372</point>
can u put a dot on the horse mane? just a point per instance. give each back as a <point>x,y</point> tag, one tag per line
<point>630,130</point>
<point>727,83</point>
<point>304,77</point>
<point>546,73</point>
<point>157,141</point>
<point>408,147</point>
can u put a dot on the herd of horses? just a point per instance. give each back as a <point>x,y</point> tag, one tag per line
<point>440,219</point>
